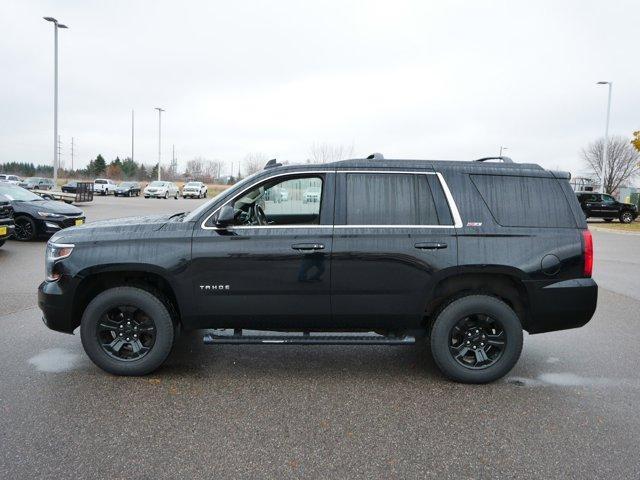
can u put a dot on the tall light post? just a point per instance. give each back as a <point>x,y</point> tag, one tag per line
<point>605,151</point>
<point>502,149</point>
<point>160,110</point>
<point>56,26</point>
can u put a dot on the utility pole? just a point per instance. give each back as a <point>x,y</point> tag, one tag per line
<point>71,153</point>
<point>132,125</point>
<point>59,155</point>
<point>160,110</point>
<point>56,26</point>
<point>605,153</point>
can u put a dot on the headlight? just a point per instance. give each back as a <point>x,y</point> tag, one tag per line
<point>55,253</point>
<point>50,215</point>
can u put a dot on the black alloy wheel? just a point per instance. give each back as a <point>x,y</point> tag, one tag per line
<point>477,341</point>
<point>128,330</point>
<point>126,333</point>
<point>626,217</point>
<point>25,229</point>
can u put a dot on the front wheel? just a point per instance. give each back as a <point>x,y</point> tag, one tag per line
<point>127,331</point>
<point>476,339</point>
<point>626,217</point>
<point>26,229</point>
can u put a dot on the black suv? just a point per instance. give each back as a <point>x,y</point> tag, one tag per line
<point>600,205</point>
<point>466,254</point>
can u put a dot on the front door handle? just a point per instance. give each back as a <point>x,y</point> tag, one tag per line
<point>430,245</point>
<point>305,247</point>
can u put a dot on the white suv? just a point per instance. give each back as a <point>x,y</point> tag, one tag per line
<point>104,186</point>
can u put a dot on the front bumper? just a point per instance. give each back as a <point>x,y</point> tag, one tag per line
<point>56,304</point>
<point>156,194</point>
<point>560,305</point>
<point>7,228</point>
<point>53,225</point>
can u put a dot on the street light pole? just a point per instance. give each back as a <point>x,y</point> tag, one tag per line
<point>132,126</point>
<point>56,26</point>
<point>160,110</point>
<point>605,152</point>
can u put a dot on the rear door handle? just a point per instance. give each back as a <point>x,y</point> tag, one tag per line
<point>305,247</point>
<point>430,245</point>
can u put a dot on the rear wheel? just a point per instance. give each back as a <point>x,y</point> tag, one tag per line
<point>2,242</point>
<point>127,331</point>
<point>626,217</point>
<point>476,339</point>
<point>25,228</point>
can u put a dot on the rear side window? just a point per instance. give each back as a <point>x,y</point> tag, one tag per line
<point>524,201</point>
<point>389,199</point>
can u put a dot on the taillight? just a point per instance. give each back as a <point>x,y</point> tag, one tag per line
<point>587,253</point>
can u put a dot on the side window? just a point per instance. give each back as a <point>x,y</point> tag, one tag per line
<point>608,199</point>
<point>524,201</point>
<point>389,199</point>
<point>292,201</point>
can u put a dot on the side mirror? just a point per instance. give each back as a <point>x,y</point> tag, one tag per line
<point>226,217</point>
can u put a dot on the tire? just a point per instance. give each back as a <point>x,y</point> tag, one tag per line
<point>2,242</point>
<point>137,298</point>
<point>626,217</point>
<point>26,228</point>
<point>608,220</point>
<point>146,196</point>
<point>166,195</point>
<point>466,308</point>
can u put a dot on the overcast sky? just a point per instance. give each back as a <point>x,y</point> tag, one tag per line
<point>421,79</point>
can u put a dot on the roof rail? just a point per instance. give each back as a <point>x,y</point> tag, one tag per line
<point>375,156</point>
<point>504,159</point>
<point>272,164</point>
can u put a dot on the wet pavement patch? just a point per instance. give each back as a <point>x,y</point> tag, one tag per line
<point>54,360</point>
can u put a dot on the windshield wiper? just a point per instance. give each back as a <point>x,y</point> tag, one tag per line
<point>178,215</point>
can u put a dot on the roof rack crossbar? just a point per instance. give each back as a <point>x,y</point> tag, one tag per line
<point>504,159</point>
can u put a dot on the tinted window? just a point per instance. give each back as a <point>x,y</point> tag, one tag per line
<point>524,201</point>
<point>389,199</point>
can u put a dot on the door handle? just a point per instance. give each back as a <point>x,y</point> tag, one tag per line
<point>305,247</point>
<point>430,245</point>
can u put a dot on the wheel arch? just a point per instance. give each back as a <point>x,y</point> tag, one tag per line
<point>147,277</point>
<point>501,282</point>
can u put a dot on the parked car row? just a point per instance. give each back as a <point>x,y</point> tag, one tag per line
<point>27,216</point>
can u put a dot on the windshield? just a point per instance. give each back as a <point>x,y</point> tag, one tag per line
<point>207,205</point>
<point>18,194</point>
<point>193,184</point>
<point>32,179</point>
<point>157,184</point>
<point>127,184</point>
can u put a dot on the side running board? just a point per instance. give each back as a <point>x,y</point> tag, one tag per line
<point>305,339</point>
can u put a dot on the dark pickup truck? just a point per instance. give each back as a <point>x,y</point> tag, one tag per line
<point>391,251</point>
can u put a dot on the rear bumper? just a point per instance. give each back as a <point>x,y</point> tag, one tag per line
<point>561,305</point>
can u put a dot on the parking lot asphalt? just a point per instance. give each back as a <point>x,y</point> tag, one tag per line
<point>567,410</point>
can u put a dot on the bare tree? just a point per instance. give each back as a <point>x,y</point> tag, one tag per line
<point>623,162</point>
<point>254,162</point>
<point>195,167</point>
<point>212,168</point>
<point>324,152</point>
